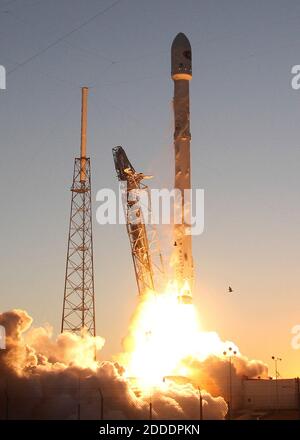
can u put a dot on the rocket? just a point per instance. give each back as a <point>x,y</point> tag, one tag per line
<point>181,72</point>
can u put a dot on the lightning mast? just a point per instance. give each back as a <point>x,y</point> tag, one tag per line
<point>144,243</point>
<point>79,300</point>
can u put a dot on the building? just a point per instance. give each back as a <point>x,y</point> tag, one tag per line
<point>271,394</point>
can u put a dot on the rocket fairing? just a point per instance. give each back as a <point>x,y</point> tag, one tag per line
<point>181,71</point>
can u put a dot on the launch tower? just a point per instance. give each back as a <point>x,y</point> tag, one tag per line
<point>79,301</point>
<point>144,243</point>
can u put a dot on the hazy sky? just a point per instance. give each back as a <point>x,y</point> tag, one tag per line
<point>245,154</point>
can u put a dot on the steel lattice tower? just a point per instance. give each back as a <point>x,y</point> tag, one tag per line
<point>79,299</point>
<point>143,238</point>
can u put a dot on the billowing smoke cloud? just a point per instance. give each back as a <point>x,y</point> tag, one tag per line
<point>213,374</point>
<point>42,378</point>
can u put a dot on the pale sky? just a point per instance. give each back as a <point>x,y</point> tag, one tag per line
<point>245,154</point>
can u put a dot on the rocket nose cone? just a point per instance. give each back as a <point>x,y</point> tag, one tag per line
<point>181,58</point>
<point>181,40</point>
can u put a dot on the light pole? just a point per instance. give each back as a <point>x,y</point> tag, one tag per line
<point>276,359</point>
<point>150,407</point>
<point>6,402</point>
<point>230,353</point>
<point>200,405</point>
<point>101,403</point>
<point>298,395</point>
<point>79,396</point>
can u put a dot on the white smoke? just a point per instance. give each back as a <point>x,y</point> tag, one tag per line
<point>42,378</point>
<point>213,374</point>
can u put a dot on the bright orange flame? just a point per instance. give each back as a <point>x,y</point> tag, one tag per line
<point>165,331</point>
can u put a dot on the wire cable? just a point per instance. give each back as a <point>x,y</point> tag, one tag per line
<point>67,34</point>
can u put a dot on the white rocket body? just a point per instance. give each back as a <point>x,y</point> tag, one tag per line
<point>181,60</point>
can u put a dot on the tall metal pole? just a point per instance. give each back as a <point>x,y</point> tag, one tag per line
<point>150,404</point>
<point>78,408</point>
<point>6,404</point>
<point>200,405</point>
<point>298,395</point>
<point>276,359</point>
<point>101,403</point>
<point>230,353</point>
<point>150,410</point>
<point>84,97</point>
<point>230,386</point>
<point>276,376</point>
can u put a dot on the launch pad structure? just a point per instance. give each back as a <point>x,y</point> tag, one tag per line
<point>143,238</point>
<point>79,298</point>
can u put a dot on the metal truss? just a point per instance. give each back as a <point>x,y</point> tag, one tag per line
<point>143,238</point>
<point>79,299</point>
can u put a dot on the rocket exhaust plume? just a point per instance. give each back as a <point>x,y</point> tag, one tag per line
<point>165,339</point>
